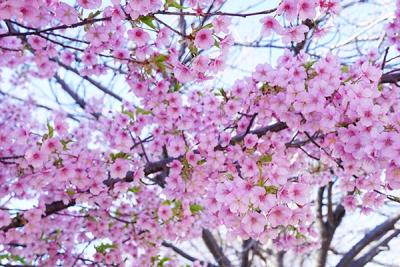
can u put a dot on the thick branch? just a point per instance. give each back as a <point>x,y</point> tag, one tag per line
<point>215,249</point>
<point>51,208</point>
<point>390,77</point>
<point>374,234</point>
<point>375,250</point>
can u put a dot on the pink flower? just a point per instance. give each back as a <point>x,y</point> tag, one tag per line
<point>249,168</point>
<point>97,35</point>
<point>164,212</point>
<point>4,218</point>
<point>269,25</point>
<point>204,39</point>
<point>89,4</point>
<point>183,74</point>
<point>176,147</point>
<point>261,73</point>
<point>35,157</point>
<point>294,34</point>
<point>349,202</point>
<point>254,222</point>
<point>51,145</point>
<point>37,42</point>
<point>139,36</point>
<point>221,24</point>
<point>119,168</point>
<point>300,193</point>
<point>67,57</point>
<point>279,215</point>
<point>66,13</point>
<point>306,9</point>
<point>289,8</point>
<point>250,140</point>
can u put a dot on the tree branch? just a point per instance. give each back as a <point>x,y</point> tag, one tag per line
<point>215,249</point>
<point>376,233</point>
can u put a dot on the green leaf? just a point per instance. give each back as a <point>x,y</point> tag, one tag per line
<point>193,50</point>
<point>271,189</point>
<point>178,207</point>
<point>92,15</point>
<point>308,65</point>
<point>142,111</point>
<point>119,155</point>
<point>70,192</point>
<point>172,3</point>
<point>159,61</point>
<point>345,69</point>
<point>134,189</point>
<point>65,143</point>
<point>208,26</point>
<point>201,162</point>
<point>195,208</point>
<point>103,247</point>
<point>216,44</point>
<point>148,20</point>
<point>177,87</point>
<point>18,258</point>
<point>130,114</point>
<point>266,158</point>
<point>12,257</point>
<point>162,261</point>
<point>50,130</point>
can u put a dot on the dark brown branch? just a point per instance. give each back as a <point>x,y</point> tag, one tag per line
<point>215,249</point>
<point>90,80</point>
<point>374,234</point>
<point>246,248</point>
<point>51,208</point>
<point>375,250</point>
<point>217,13</point>
<point>390,77</point>
<point>184,254</point>
<point>327,228</point>
<point>80,101</point>
<point>60,27</point>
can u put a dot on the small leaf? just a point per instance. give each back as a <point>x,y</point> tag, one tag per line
<point>103,247</point>
<point>162,261</point>
<point>201,162</point>
<point>172,3</point>
<point>195,208</point>
<point>271,189</point>
<point>308,65</point>
<point>266,158</point>
<point>159,61</point>
<point>130,114</point>
<point>65,143</point>
<point>345,69</point>
<point>142,111</point>
<point>216,44</point>
<point>92,15</point>
<point>70,192</point>
<point>119,155</point>
<point>50,130</point>
<point>148,20</point>
<point>134,189</point>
